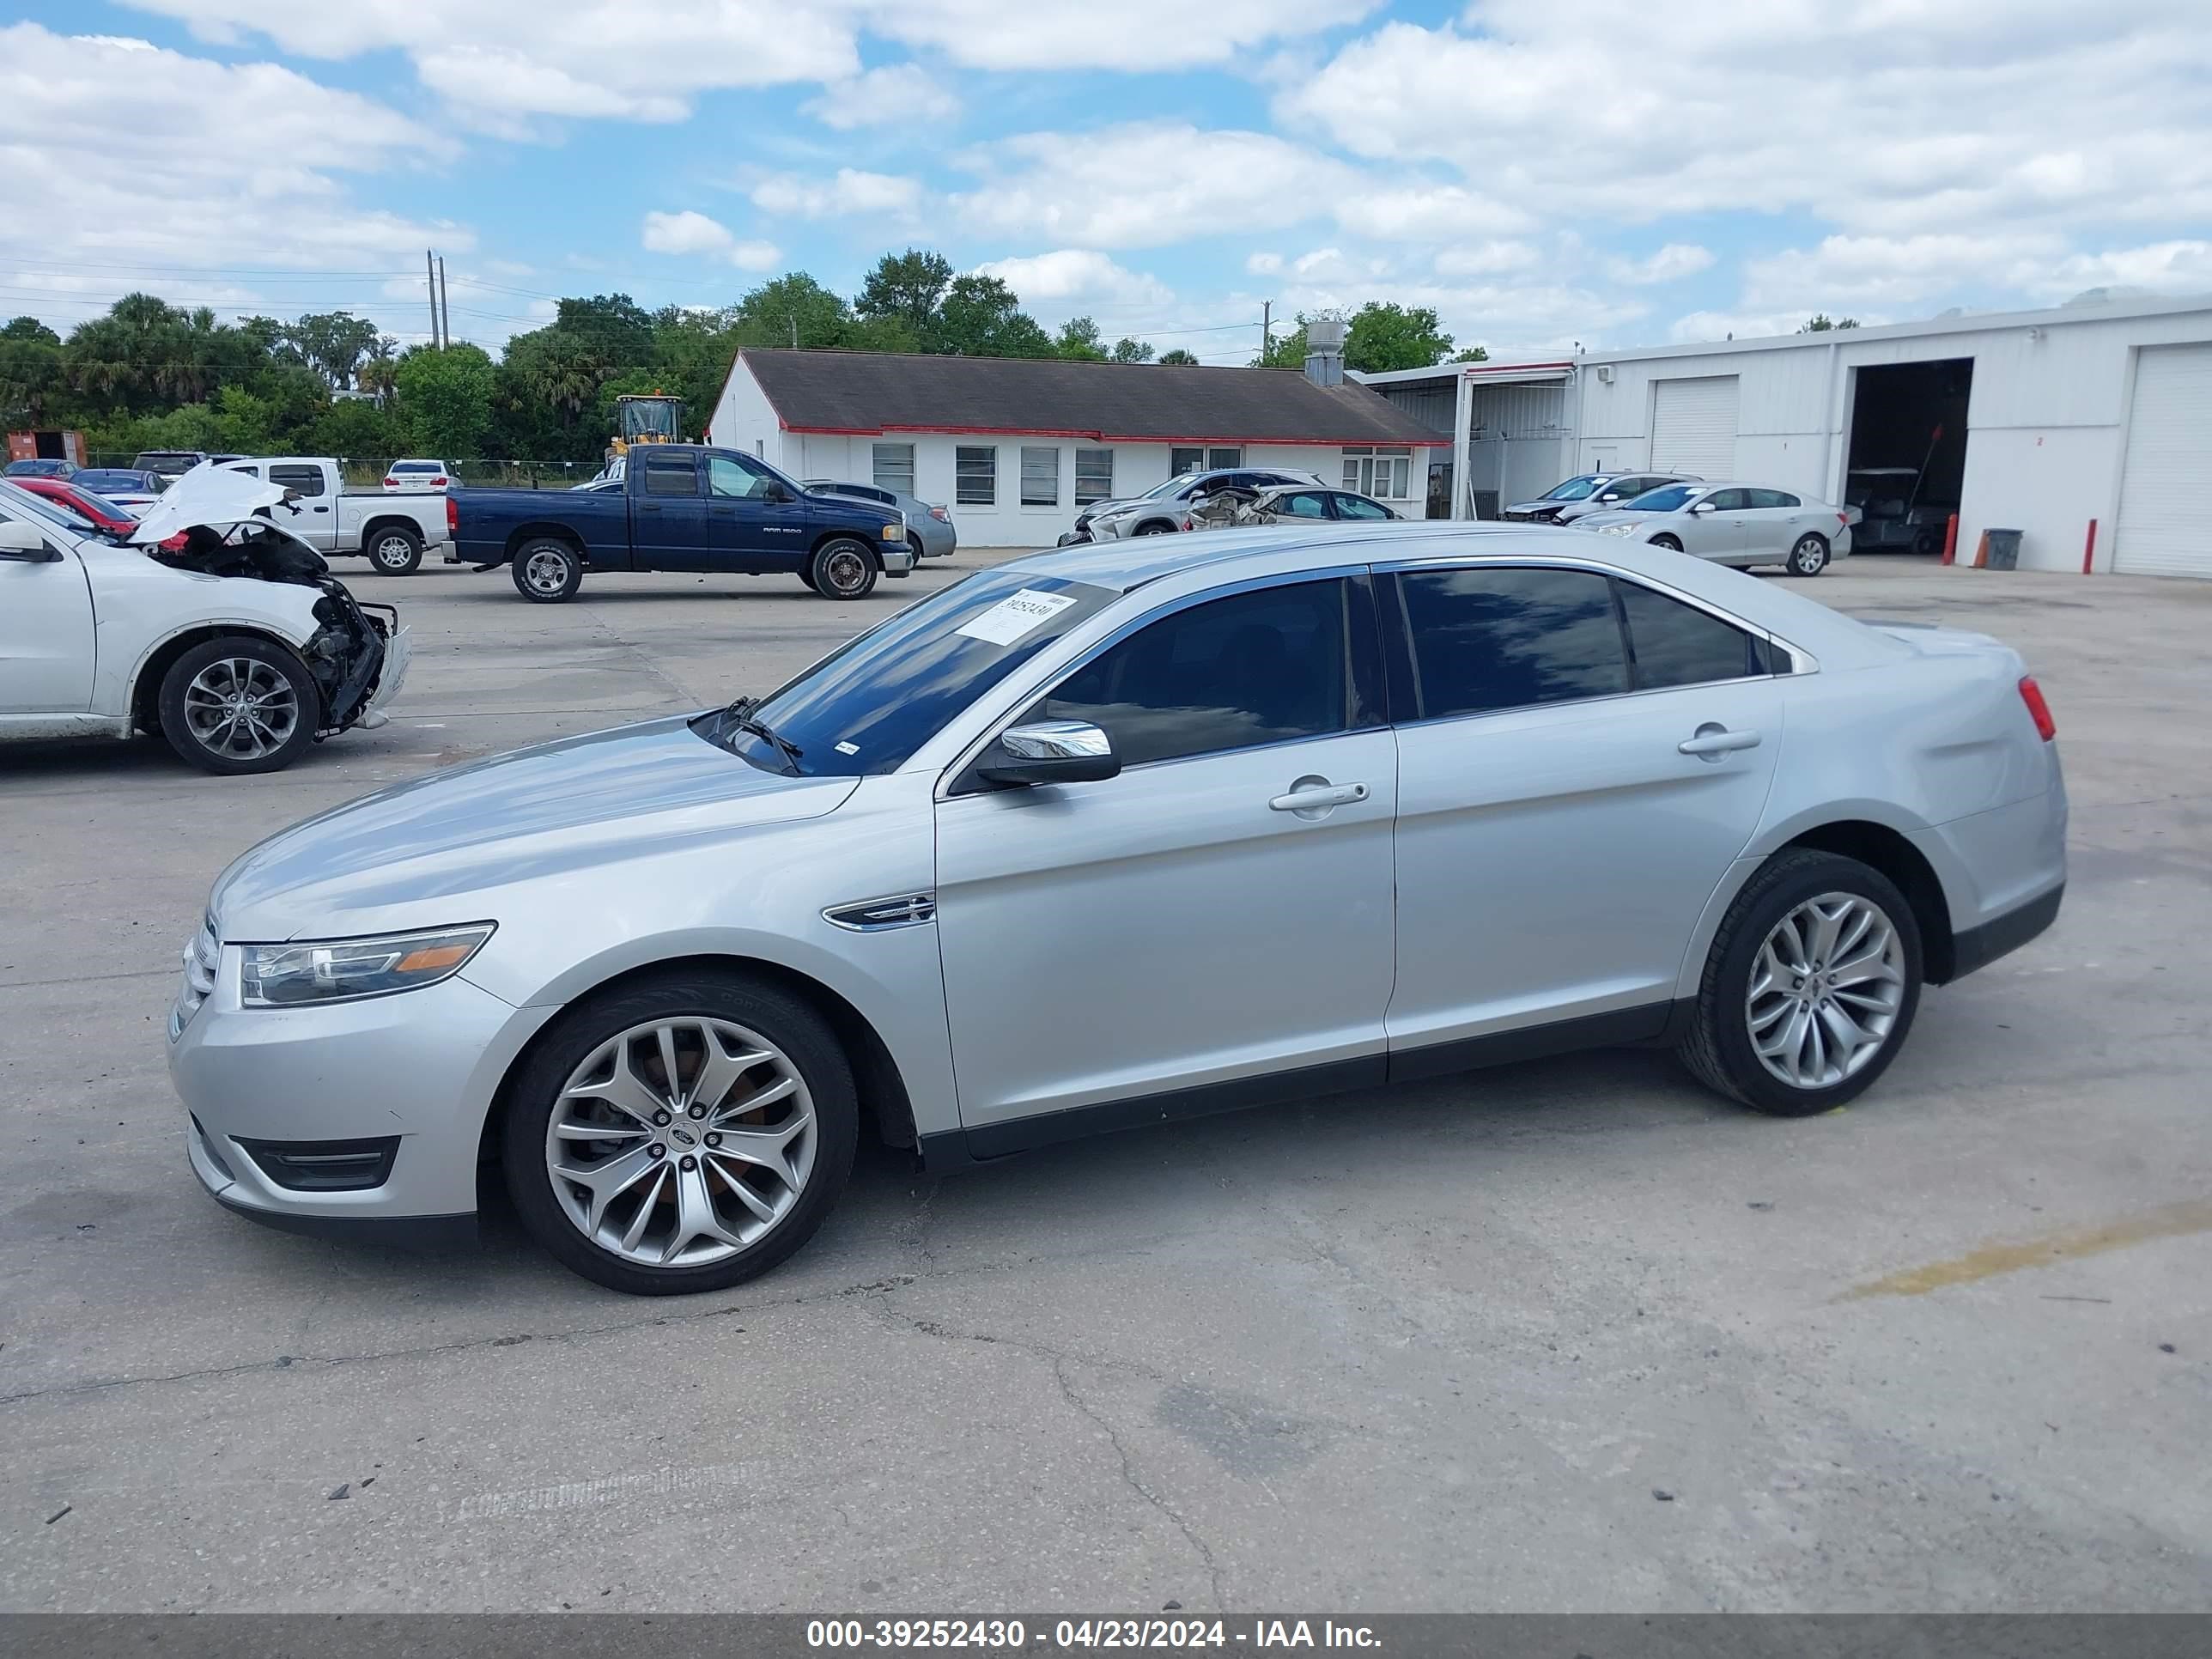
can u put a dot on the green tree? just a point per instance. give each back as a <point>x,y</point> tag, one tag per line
<point>981,316</point>
<point>614,326</point>
<point>793,309</point>
<point>1820,323</point>
<point>1126,350</point>
<point>909,288</point>
<point>355,429</point>
<point>1286,350</point>
<point>445,398</point>
<point>1179,356</point>
<point>1079,341</point>
<point>1471,354</point>
<point>334,342</point>
<point>30,371</point>
<point>1383,335</point>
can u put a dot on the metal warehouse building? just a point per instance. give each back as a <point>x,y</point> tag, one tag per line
<point>2088,428</point>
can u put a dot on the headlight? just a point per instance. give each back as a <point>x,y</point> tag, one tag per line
<point>1618,529</point>
<point>340,970</point>
<point>894,532</point>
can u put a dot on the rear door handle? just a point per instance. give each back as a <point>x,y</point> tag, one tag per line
<point>1318,798</point>
<point>1713,741</point>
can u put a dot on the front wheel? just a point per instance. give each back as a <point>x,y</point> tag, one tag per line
<point>1810,557</point>
<point>547,571</point>
<point>842,569</point>
<point>1809,988</point>
<point>685,1133</point>
<point>395,551</point>
<point>240,705</point>
<point>1156,530</point>
<point>1667,542</point>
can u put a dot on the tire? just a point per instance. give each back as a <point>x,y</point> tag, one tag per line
<point>394,550</point>
<point>1156,528</point>
<point>1720,1049</point>
<point>701,1006</point>
<point>1668,541</point>
<point>1926,542</point>
<point>807,577</point>
<point>210,686</point>
<point>547,571</point>
<point>1810,557</point>
<point>843,568</point>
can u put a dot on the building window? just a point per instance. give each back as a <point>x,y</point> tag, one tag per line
<point>976,475</point>
<point>1181,461</point>
<point>1094,476</point>
<point>1218,459</point>
<point>1040,477</point>
<point>1385,474</point>
<point>894,468</point>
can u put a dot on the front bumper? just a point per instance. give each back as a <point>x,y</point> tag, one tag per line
<point>420,1067</point>
<point>898,557</point>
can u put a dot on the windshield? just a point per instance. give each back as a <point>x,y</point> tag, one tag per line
<point>1574,489</point>
<point>16,501</point>
<point>106,478</point>
<point>103,504</point>
<point>1180,482</point>
<point>866,707</point>
<point>1667,498</point>
<point>168,465</point>
<point>418,466</point>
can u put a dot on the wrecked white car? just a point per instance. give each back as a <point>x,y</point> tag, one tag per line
<point>209,624</point>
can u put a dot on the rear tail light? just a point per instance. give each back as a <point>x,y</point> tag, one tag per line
<point>391,484</point>
<point>2037,709</point>
<point>452,518</point>
<point>1843,518</point>
<point>176,544</point>
<point>437,483</point>
<point>940,516</point>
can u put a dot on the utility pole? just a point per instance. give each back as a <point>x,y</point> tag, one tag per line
<point>792,317</point>
<point>1266,330</point>
<point>444,305</point>
<point>430,281</point>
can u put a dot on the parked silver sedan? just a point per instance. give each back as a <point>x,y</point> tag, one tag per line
<point>1099,838</point>
<point>1736,524</point>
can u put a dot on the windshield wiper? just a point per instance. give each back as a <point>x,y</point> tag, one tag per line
<point>738,715</point>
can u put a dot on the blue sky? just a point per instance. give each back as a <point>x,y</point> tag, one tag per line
<point>1544,172</point>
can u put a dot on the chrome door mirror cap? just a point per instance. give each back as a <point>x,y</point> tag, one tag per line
<point>1050,751</point>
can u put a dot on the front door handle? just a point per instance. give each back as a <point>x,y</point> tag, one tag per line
<point>1310,797</point>
<point>1713,741</point>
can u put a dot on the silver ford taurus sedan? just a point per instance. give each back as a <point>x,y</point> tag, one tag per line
<point>1100,838</point>
<point>1733,524</point>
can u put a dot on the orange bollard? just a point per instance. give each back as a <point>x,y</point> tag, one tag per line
<point>2089,550</point>
<point>1951,539</point>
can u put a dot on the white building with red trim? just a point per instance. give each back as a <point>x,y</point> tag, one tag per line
<point>1014,446</point>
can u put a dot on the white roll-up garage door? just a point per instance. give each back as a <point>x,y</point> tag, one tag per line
<point>2162,530</point>
<point>1693,426</point>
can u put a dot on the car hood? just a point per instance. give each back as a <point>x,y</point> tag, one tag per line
<point>1538,507</point>
<point>1615,515</point>
<point>556,812</point>
<point>208,494</point>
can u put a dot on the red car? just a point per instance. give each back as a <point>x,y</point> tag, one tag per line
<point>97,508</point>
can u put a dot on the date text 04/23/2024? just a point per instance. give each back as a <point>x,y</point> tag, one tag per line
<point>1012,1635</point>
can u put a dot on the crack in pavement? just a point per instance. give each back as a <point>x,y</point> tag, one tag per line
<point>1057,1361</point>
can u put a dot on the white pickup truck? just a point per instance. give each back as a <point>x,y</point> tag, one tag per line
<point>390,530</point>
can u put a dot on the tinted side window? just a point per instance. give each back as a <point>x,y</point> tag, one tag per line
<point>1488,639</point>
<point>1260,667</point>
<point>1677,644</point>
<point>1729,500</point>
<point>1305,504</point>
<point>1772,498</point>
<point>304,480</point>
<point>670,475</point>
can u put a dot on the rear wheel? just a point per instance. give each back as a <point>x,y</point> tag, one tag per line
<point>395,550</point>
<point>684,1133</point>
<point>1810,557</point>
<point>1809,988</point>
<point>807,576</point>
<point>1156,528</point>
<point>240,705</point>
<point>547,572</point>
<point>842,569</point>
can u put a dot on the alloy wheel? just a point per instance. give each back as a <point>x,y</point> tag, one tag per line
<point>1827,988</point>
<point>1809,556</point>
<point>681,1142</point>
<point>546,572</point>
<point>845,571</point>
<point>240,709</point>
<point>394,552</point>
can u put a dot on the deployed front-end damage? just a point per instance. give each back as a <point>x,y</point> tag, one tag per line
<point>242,710</point>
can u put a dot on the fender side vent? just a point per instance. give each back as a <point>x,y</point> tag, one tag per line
<point>873,916</point>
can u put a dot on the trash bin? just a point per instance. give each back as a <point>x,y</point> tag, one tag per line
<point>2004,549</point>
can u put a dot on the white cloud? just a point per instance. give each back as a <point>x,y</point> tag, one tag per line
<point>213,163</point>
<point>850,192</point>
<point>897,94</point>
<point>1670,265</point>
<point>1891,120</point>
<point>691,233</point>
<point>505,62</point>
<point>1071,278</point>
<point>1489,258</point>
<point>1264,264</point>
<point>1424,213</point>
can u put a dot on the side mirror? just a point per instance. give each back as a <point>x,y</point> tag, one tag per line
<point>1703,506</point>
<point>775,493</point>
<point>1609,496</point>
<point>1049,751</point>
<point>24,543</point>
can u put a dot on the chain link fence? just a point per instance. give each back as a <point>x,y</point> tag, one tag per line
<point>369,474</point>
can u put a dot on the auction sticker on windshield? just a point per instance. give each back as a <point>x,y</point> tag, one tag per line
<point>1012,617</point>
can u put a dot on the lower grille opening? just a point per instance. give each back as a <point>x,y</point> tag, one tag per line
<point>324,1166</point>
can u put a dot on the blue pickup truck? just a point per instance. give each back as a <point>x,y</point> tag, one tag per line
<point>681,507</point>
